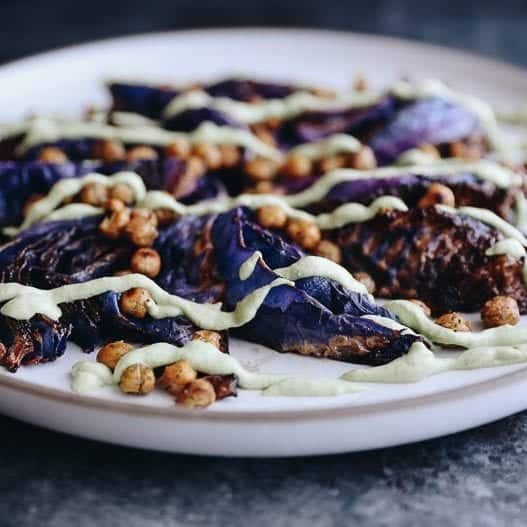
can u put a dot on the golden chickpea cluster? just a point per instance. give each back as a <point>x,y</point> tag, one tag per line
<point>437,194</point>
<point>201,157</point>
<point>137,225</point>
<point>179,379</point>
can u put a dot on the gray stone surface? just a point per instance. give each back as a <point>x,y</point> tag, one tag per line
<point>477,478</point>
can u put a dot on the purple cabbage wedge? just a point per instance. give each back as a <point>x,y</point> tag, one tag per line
<point>57,253</point>
<point>316,317</point>
<point>426,121</point>
<point>20,180</point>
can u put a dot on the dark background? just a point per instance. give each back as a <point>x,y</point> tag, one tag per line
<point>478,478</point>
<point>497,28</point>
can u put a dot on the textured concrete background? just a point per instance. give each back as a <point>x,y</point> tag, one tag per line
<point>478,478</point>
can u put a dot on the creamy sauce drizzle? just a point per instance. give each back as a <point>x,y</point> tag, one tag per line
<point>67,188</point>
<point>302,101</point>
<point>205,358</point>
<point>23,302</point>
<point>420,363</point>
<point>48,130</point>
<point>413,316</point>
<point>334,144</point>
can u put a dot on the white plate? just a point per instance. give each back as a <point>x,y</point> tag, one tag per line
<point>253,425</point>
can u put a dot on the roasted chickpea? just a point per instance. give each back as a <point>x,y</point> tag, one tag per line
<point>324,92</point>
<point>134,302</point>
<point>52,154</point>
<point>329,250</point>
<point>180,148</point>
<point>264,134</point>
<point>360,83</point>
<point>437,194</point>
<point>109,150</point>
<point>195,167</point>
<point>122,192</point>
<point>499,311</point>
<point>230,155</point>
<point>137,379</point>
<point>146,261</point>
<point>113,225</point>
<point>210,154</point>
<point>137,153</point>
<point>114,205</point>
<point>297,166</point>
<point>176,376</point>
<point>454,321</point>
<point>211,337</point>
<point>197,394</point>
<point>366,280</point>
<point>332,163</point>
<point>271,217</point>
<point>364,159</point>
<point>427,311</point>
<point>141,230</point>
<point>111,353</point>
<point>305,233</point>
<point>261,169</point>
<point>94,194</point>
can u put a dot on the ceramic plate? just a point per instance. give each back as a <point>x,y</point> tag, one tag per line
<point>65,81</point>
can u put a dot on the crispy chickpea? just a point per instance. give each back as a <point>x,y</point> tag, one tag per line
<point>332,163</point>
<point>180,148</point>
<point>30,202</point>
<point>364,159</point>
<point>437,194</point>
<point>264,134</point>
<point>271,217</point>
<point>431,150</point>
<point>176,376</point>
<point>195,167</point>
<point>114,205</point>
<point>141,230</point>
<point>211,337</point>
<point>109,150</point>
<point>111,353</point>
<point>261,169</point>
<point>113,225</point>
<point>322,91</point>
<point>273,123</point>
<point>134,302</point>
<point>137,153</point>
<point>137,379</point>
<point>210,154</point>
<point>499,311</point>
<point>366,280</point>
<point>122,192</point>
<point>360,83</point>
<point>94,194</point>
<point>230,155</point>
<point>305,233</point>
<point>454,321</point>
<point>197,394</point>
<point>146,261</point>
<point>164,216</point>
<point>329,250</point>
<point>52,154</point>
<point>297,166</point>
<point>427,311</point>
